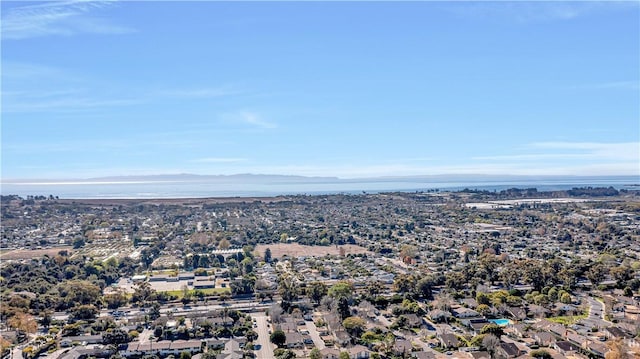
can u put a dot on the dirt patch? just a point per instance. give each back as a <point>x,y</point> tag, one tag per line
<point>33,253</point>
<point>297,250</point>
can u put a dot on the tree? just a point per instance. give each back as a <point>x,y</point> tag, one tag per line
<point>424,288</point>
<point>288,290</point>
<point>596,274</point>
<point>251,335</point>
<point>78,242</point>
<point>280,353</point>
<point>185,355</point>
<point>86,311</point>
<point>354,326</point>
<point>617,349</point>
<point>278,337</point>
<point>404,283</point>
<point>491,343</point>
<point>541,354</point>
<point>494,329</point>
<point>117,336</point>
<point>341,289</point>
<point>315,354</point>
<point>316,291</point>
<point>483,309</point>
<point>275,312</point>
<point>267,255</point>
<point>23,322</point>
<point>224,244</point>
<point>344,355</point>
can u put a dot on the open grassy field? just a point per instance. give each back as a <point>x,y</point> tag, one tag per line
<point>279,250</point>
<point>32,253</point>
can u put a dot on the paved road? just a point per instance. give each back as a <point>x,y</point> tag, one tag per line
<point>315,336</point>
<point>596,315</point>
<point>266,347</point>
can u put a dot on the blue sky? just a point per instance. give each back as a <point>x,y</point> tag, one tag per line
<point>348,89</point>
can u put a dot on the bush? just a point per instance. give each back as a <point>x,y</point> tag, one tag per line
<point>541,354</point>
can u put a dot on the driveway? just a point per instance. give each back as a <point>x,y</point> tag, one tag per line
<point>266,347</point>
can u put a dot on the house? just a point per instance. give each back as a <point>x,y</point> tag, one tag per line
<point>564,347</point>
<point>402,346</point>
<point>423,355</point>
<point>544,339</point>
<point>191,346</point>
<point>615,332</point>
<point>359,352</point>
<point>520,330</point>
<point>576,339</point>
<point>449,341</point>
<point>328,340</point>
<point>330,353</point>
<point>469,302</point>
<point>289,325</point>
<point>439,316</point>
<point>204,284</point>
<point>463,312</point>
<point>342,338</point>
<point>413,321</point>
<point>596,348</point>
<point>565,309</point>
<point>231,351</point>
<point>509,350</point>
<point>294,340</point>
<point>82,339</point>
<point>517,313</point>
<point>476,324</point>
<point>537,311</point>
<point>480,355</point>
<point>83,353</point>
<point>215,344</point>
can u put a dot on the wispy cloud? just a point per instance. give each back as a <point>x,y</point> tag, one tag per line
<point>536,11</point>
<point>597,150</point>
<point>63,18</point>
<point>29,87</point>
<point>251,119</point>
<point>218,160</point>
<point>199,93</point>
<point>593,151</point>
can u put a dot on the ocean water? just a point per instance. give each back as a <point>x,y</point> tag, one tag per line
<point>201,189</point>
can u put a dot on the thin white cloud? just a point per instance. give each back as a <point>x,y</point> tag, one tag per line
<point>57,18</point>
<point>594,151</point>
<point>218,160</point>
<point>249,118</point>
<point>199,93</point>
<point>533,157</point>
<point>536,11</point>
<point>597,150</point>
<point>29,87</point>
<point>66,104</point>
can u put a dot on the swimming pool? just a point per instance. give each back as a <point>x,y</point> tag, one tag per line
<point>501,322</point>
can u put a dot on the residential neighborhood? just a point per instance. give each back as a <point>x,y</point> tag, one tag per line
<point>467,274</point>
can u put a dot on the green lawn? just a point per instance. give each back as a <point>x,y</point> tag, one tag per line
<point>208,291</point>
<point>567,320</point>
